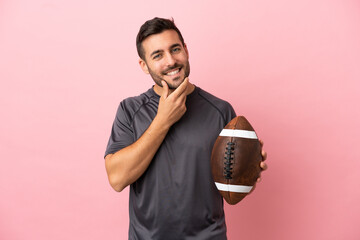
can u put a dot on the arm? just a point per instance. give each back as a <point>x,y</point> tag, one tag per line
<point>126,165</point>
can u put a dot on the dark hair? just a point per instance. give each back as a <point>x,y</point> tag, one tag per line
<point>154,26</point>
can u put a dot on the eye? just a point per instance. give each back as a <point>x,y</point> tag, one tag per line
<point>157,56</point>
<point>176,50</point>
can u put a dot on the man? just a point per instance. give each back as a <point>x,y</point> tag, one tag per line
<point>161,144</point>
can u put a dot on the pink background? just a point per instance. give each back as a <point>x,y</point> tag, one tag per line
<point>291,67</point>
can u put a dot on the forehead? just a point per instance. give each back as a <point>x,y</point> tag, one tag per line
<point>160,41</point>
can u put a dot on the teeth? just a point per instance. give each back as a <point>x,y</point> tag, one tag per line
<point>173,72</point>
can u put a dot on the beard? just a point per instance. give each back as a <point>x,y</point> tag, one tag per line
<point>158,78</point>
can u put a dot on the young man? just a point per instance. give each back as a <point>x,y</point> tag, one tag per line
<point>161,144</point>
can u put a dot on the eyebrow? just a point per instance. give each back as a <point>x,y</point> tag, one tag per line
<point>158,51</point>
<point>155,52</point>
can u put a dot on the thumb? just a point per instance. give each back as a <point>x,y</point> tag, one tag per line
<point>165,89</point>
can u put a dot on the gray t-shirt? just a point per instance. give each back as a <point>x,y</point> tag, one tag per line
<point>176,197</point>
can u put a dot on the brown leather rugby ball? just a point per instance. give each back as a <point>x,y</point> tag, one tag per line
<point>235,160</point>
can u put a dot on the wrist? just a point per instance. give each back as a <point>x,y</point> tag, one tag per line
<point>161,124</point>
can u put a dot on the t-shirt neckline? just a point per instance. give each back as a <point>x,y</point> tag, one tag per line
<point>152,92</point>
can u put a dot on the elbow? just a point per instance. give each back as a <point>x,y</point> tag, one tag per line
<point>118,188</point>
<point>117,184</point>
<point>115,177</point>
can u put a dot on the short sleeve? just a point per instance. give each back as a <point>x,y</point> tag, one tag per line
<point>232,113</point>
<point>121,132</point>
<point>229,114</point>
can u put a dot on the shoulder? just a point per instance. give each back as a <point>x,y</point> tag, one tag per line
<point>131,105</point>
<point>216,102</point>
<point>136,102</point>
<point>221,106</point>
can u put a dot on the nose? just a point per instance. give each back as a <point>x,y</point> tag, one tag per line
<point>170,60</point>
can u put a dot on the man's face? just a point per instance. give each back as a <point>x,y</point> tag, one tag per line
<point>165,58</point>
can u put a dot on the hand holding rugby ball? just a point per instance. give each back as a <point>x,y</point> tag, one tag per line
<point>235,160</point>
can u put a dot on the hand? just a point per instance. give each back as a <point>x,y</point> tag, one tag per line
<point>172,106</point>
<point>263,165</point>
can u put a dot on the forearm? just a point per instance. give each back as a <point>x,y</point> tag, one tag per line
<point>128,164</point>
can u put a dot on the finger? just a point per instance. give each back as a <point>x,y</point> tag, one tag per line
<point>165,88</point>
<point>263,166</point>
<point>261,142</point>
<point>182,98</point>
<point>181,89</point>
<point>264,155</point>
<point>258,180</point>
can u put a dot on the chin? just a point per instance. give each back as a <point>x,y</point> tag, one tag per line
<point>175,83</point>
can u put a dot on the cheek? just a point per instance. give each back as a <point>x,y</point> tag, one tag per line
<point>157,67</point>
<point>184,58</point>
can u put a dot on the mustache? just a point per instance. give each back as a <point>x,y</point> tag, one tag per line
<point>172,67</point>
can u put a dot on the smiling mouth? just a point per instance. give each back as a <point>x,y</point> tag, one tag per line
<point>173,72</point>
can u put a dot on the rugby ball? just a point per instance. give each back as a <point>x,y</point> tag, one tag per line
<point>235,160</point>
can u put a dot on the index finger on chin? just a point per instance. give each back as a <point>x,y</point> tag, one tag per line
<point>182,87</point>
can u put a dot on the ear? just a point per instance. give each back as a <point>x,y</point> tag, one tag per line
<point>143,66</point>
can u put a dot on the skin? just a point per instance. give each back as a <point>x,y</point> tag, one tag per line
<point>164,53</point>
